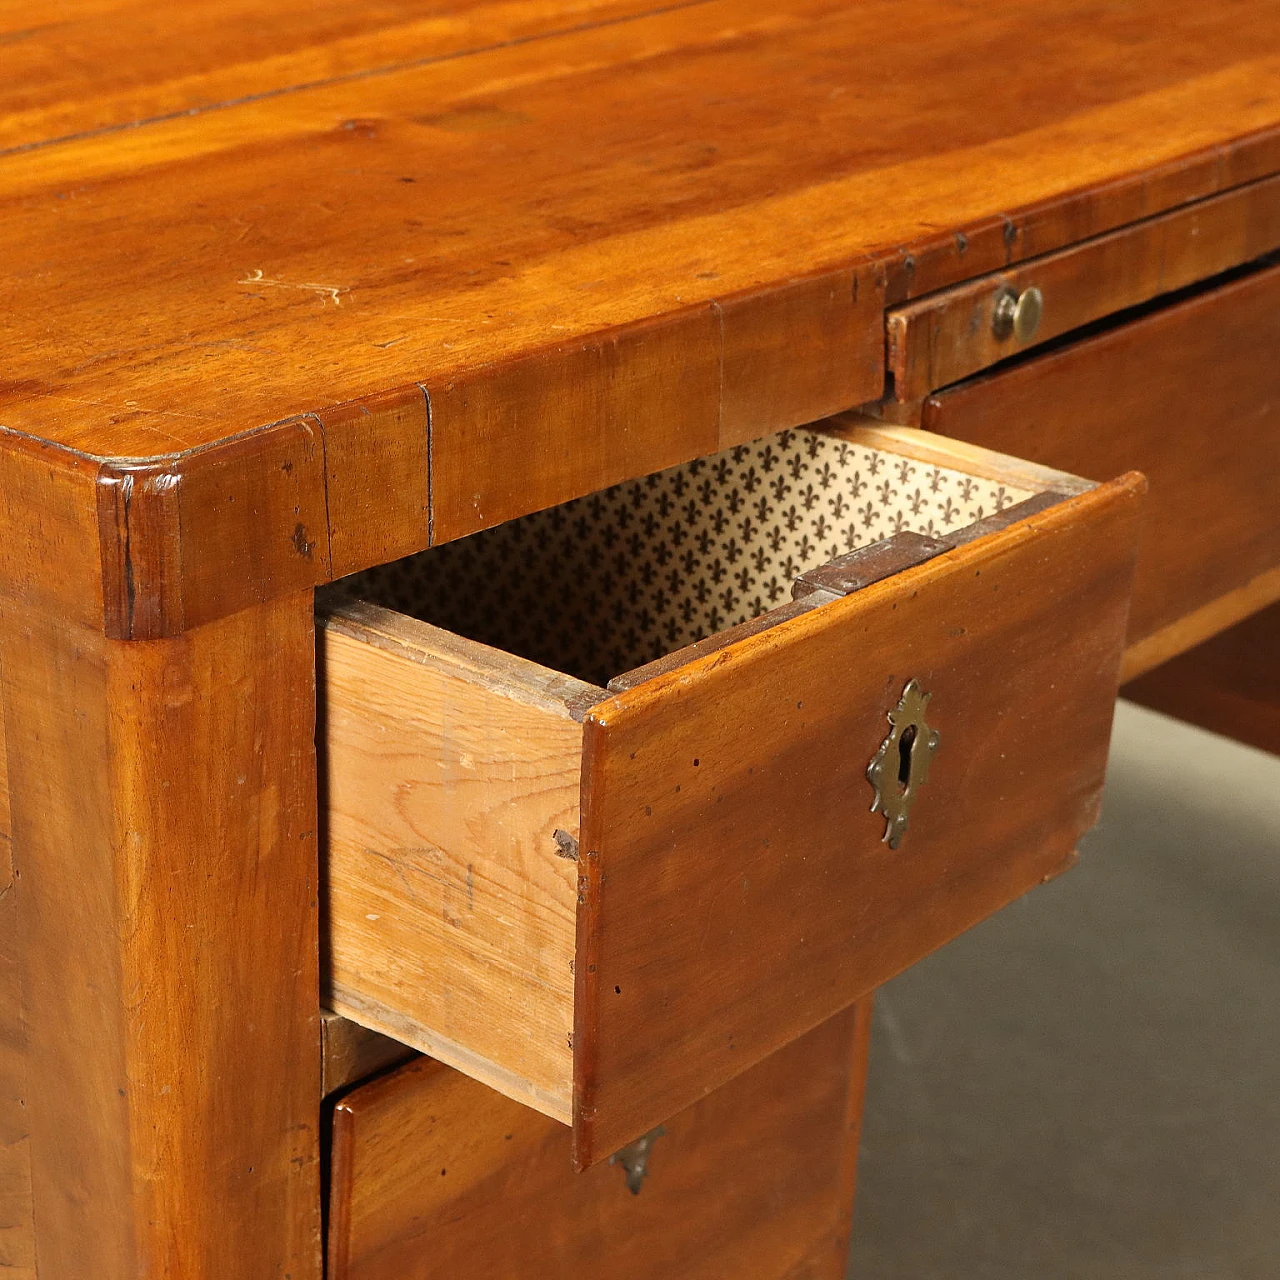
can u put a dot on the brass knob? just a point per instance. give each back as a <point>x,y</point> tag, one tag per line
<point>1017,313</point>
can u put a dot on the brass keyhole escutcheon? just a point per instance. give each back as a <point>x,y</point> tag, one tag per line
<point>900,767</point>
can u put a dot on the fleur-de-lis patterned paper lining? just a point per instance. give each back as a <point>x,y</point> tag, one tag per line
<point>608,582</point>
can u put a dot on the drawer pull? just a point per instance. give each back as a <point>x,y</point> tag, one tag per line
<point>634,1159</point>
<point>1017,313</point>
<point>900,766</point>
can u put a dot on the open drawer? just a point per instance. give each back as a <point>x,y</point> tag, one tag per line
<point>607,901</point>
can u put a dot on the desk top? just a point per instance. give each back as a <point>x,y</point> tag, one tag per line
<point>600,237</point>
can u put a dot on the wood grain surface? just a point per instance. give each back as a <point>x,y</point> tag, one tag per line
<point>376,469</point>
<point>254,310</point>
<point>180,282</point>
<point>735,887</point>
<point>1229,684</point>
<point>1189,395</point>
<point>949,335</point>
<point>163,816</point>
<point>83,66</point>
<point>436,1176</point>
<point>450,902</point>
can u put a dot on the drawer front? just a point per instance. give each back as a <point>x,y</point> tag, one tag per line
<point>607,903</point>
<point>436,1176</point>
<point>1189,395</point>
<point>949,335</point>
<point>736,888</point>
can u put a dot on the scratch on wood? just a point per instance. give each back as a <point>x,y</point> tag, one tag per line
<point>325,292</point>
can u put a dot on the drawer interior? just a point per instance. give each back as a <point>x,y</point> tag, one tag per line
<point>618,579</point>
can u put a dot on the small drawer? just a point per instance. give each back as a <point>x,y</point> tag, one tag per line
<point>606,897</point>
<point>943,337</point>
<point>436,1177</point>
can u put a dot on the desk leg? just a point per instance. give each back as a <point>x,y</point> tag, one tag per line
<point>164,814</point>
<point>836,1264</point>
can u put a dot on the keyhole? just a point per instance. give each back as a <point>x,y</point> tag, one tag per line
<point>905,743</point>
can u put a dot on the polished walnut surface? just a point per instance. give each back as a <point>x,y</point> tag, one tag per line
<point>281,308</point>
<point>315,208</point>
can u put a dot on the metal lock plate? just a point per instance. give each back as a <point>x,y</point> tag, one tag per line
<point>901,765</point>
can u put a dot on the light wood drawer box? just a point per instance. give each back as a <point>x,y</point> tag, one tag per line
<point>436,1177</point>
<point>608,902</point>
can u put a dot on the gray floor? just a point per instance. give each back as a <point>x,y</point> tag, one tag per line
<point>1088,1085</point>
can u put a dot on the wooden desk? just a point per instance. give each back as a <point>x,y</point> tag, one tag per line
<point>292,294</point>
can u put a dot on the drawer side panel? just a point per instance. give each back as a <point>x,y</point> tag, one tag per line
<point>450,903</point>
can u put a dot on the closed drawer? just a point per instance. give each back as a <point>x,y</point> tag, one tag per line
<point>436,1177</point>
<point>949,335</point>
<point>607,901</point>
<point>1190,395</point>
